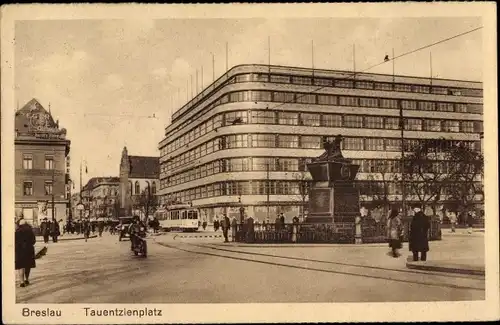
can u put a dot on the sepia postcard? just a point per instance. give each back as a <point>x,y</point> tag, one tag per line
<point>249,163</point>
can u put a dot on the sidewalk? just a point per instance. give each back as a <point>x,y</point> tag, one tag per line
<point>455,253</point>
<point>65,237</point>
<point>466,258</point>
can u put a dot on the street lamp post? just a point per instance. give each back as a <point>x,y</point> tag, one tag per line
<point>53,184</point>
<point>242,211</point>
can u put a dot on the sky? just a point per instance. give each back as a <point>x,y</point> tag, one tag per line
<point>104,79</point>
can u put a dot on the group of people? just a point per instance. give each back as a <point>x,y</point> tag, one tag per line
<point>453,217</point>
<point>418,241</point>
<point>52,229</point>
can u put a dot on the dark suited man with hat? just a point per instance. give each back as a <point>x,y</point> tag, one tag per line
<point>418,236</point>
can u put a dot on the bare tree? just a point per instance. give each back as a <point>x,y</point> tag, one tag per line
<point>433,166</point>
<point>304,182</point>
<point>304,185</point>
<point>146,202</point>
<point>464,185</point>
<point>382,176</point>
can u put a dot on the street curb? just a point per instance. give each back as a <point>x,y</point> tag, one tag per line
<point>200,236</point>
<point>458,268</point>
<point>68,239</point>
<point>302,245</point>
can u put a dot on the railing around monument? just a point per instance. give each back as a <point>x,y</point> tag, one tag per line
<point>306,233</point>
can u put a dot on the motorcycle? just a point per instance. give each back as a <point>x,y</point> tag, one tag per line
<point>139,244</point>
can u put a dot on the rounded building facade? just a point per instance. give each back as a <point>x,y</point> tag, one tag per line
<point>246,139</point>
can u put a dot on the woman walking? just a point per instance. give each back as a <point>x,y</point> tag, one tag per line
<point>24,251</point>
<point>394,232</point>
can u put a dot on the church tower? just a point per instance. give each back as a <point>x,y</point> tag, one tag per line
<point>125,206</point>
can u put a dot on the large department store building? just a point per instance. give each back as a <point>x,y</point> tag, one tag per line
<point>257,126</point>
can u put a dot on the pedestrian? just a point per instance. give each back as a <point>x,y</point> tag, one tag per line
<point>45,231</point>
<point>61,226</point>
<point>470,222</point>
<point>250,230</point>
<point>394,232</point>
<point>156,225</point>
<point>282,219</point>
<point>204,224</point>
<point>453,220</point>
<point>24,251</point>
<point>86,228</point>
<point>54,230</point>
<point>418,236</point>
<point>277,223</point>
<point>100,227</point>
<point>216,224</point>
<point>226,224</point>
<point>234,226</point>
<point>277,228</point>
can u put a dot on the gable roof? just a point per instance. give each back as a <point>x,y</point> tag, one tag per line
<point>144,167</point>
<point>23,119</point>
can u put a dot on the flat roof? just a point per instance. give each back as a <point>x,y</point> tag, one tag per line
<point>320,73</point>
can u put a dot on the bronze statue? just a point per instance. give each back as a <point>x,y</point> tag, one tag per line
<point>332,149</point>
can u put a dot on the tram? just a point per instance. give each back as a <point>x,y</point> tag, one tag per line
<point>180,217</point>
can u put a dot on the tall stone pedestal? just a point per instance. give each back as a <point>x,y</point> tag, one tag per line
<point>333,197</point>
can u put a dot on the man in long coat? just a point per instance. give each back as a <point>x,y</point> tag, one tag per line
<point>54,230</point>
<point>418,236</point>
<point>44,230</point>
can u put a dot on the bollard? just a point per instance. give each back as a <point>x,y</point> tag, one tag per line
<point>358,239</point>
<point>294,234</point>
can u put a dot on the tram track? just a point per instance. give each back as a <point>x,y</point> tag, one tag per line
<point>334,268</point>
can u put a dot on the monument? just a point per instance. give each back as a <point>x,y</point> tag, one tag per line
<point>333,196</point>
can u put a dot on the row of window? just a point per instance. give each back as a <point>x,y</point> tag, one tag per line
<point>290,141</point>
<point>28,161</point>
<point>137,188</point>
<point>345,83</point>
<point>358,84</point>
<point>332,100</point>
<point>321,120</point>
<point>295,188</point>
<point>285,164</point>
<point>28,188</point>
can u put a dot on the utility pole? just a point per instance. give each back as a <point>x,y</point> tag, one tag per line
<point>430,66</point>
<point>312,59</point>
<point>268,187</point>
<point>227,57</point>
<point>402,128</point>
<point>213,67</point>
<point>269,58</point>
<point>354,60</point>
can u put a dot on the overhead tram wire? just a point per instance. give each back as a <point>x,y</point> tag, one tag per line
<point>353,77</point>
<point>378,64</point>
